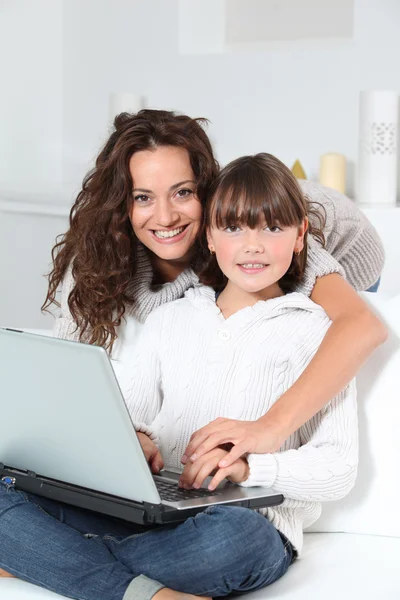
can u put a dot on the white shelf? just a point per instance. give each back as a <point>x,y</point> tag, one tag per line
<point>33,208</point>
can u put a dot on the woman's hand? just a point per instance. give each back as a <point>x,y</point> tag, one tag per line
<point>151,452</point>
<point>246,437</point>
<point>195,473</point>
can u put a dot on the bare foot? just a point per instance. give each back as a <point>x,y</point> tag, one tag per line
<point>5,574</point>
<point>168,594</point>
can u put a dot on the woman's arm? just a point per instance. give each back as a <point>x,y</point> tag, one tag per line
<point>354,334</point>
<point>325,465</point>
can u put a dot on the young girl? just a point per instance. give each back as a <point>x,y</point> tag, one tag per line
<point>232,355</point>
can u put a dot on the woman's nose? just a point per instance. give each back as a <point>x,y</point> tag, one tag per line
<point>165,214</point>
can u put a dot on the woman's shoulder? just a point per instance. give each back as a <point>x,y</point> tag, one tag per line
<point>339,209</point>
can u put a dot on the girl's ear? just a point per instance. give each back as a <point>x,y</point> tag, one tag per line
<point>300,236</point>
<point>210,241</point>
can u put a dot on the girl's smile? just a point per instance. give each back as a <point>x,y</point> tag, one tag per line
<point>254,259</point>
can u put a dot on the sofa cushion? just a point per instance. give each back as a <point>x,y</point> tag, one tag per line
<point>371,506</point>
<point>333,566</point>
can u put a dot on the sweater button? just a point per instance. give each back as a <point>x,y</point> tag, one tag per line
<point>224,335</point>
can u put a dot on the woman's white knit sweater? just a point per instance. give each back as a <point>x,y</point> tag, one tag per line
<point>190,366</point>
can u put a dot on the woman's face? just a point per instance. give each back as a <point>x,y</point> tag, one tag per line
<point>165,212</point>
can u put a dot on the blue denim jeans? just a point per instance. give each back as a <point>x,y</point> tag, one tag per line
<point>87,556</point>
<point>375,287</point>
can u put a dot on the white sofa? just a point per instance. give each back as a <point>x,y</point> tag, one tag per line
<point>353,551</point>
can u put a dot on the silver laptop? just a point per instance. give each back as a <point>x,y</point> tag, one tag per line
<point>66,434</point>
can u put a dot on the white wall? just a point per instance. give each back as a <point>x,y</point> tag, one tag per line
<point>296,100</point>
<point>31,100</point>
<point>60,60</point>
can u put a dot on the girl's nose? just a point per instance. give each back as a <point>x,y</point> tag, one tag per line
<point>253,243</point>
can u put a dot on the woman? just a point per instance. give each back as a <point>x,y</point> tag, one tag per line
<point>123,257</point>
<point>110,282</point>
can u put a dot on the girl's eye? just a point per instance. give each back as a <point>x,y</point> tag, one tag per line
<point>184,193</point>
<point>273,228</point>
<point>141,198</point>
<point>232,229</point>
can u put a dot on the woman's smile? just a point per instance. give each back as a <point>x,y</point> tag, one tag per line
<point>165,212</point>
<point>170,236</point>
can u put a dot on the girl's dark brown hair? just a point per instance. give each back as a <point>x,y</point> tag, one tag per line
<point>251,189</point>
<point>100,243</point>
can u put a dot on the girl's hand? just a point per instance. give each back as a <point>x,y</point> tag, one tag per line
<point>151,452</point>
<point>195,473</point>
<point>246,437</point>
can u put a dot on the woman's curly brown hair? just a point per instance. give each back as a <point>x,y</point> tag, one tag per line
<point>100,243</point>
<point>245,189</point>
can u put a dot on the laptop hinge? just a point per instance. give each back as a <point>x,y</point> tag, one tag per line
<point>154,513</point>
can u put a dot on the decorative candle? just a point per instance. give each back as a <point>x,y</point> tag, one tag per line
<point>130,103</point>
<point>298,170</point>
<point>377,158</point>
<point>332,172</point>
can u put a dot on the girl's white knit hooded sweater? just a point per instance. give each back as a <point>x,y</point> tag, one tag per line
<point>190,366</point>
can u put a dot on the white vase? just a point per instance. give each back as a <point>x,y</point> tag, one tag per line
<point>130,103</point>
<point>377,158</point>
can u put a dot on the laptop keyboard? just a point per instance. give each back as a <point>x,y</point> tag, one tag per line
<point>171,492</point>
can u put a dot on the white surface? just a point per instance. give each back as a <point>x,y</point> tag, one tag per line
<point>334,567</point>
<point>386,221</point>
<point>371,506</point>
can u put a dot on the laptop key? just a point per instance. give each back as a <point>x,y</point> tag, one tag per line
<point>170,491</point>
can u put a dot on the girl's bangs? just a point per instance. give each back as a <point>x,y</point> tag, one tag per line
<point>241,200</point>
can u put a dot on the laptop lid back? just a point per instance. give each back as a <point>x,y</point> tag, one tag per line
<point>63,417</point>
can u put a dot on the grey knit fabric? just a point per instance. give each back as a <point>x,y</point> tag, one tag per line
<point>142,588</point>
<point>353,249</point>
<point>147,297</point>
<point>349,238</point>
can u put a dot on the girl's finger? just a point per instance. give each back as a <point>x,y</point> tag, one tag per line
<point>219,476</point>
<point>213,441</point>
<point>207,469</point>
<point>202,434</point>
<point>235,453</point>
<point>194,472</point>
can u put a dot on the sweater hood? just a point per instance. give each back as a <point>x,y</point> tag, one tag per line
<point>203,297</point>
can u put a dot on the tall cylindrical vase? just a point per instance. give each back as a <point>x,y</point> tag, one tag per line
<point>377,158</point>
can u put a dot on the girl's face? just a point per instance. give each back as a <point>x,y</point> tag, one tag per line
<point>254,260</point>
<point>165,212</point>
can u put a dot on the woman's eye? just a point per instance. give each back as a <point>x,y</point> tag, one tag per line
<point>141,198</point>
<point>184,193</point>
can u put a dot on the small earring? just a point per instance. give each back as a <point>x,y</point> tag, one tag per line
<point>297,251</point>
<point>211,251</point>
